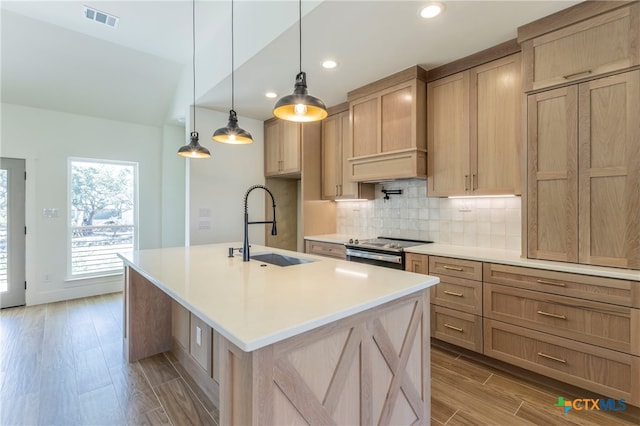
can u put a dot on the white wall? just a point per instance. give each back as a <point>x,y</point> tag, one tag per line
<point>173,188</point>
<point>46,139</point>
<point>217,185</point>
<point>478,222</point>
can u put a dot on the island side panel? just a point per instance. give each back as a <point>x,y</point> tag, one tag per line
<point>370,368</point>
<point>147,318</point>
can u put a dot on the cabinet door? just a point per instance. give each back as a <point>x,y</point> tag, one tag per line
<point>418,263</point>
<point>602,44</point>
<point>552,175</point>
<point>290,154</point>
<point>448,135</point>
<point>396,119</point>
<point>365,127</point>
<point>348,187</point>
<point>609,179</point>
<point>331,156</point>
<point>495,127</point>
<point>272,141</point>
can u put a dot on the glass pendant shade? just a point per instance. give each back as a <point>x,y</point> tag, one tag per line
<point>232,134</point>
<point>194,149</point>
<point>300,106</point>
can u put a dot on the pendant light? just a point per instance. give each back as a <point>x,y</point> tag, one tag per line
<point>232,134</point>
<point>300,106</point>
<point>194,149</point>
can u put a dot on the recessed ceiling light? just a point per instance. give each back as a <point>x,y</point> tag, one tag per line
<point>271,95</point>
<point>329,64</point>
<point>432,10</point>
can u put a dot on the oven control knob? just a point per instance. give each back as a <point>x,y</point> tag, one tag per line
<point>356,241</point>
<point>350,240</point>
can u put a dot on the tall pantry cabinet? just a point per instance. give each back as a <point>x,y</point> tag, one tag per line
<point>583,195</point>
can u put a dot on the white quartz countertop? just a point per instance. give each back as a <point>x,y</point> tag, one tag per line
<point>511,257</point>
<point>334,238</point>
<point>505,257</point>
<point>253,305</point>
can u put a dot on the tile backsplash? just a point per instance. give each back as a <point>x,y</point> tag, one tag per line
<point>479,222</point>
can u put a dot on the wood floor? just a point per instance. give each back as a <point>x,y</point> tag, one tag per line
<point>62,364</point>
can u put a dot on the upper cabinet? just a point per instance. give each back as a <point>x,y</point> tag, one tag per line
<point>588,48</point>
<point>336,148</point>
<point>584,173</point>
<point>474,130</point>
<point>388,129</point>
<point>282,148</point>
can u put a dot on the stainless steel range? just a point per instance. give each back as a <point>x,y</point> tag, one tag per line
<point>381,251</point>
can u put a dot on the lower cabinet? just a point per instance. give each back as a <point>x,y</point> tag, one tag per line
<point>580,329</point>
<point>610,373</point>
<point>458,328</point>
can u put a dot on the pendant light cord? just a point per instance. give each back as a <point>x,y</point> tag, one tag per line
<point>300,31</point>
<point>232,64</point>
<point>193,11</point>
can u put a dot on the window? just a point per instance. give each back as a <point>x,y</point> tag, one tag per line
<point>103,219</point>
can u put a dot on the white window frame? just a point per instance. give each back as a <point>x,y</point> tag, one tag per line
<point>70,228</point>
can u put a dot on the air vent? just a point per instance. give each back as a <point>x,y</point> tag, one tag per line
<point>101,17</point>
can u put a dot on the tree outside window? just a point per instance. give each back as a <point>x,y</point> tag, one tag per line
<point>102,205</point>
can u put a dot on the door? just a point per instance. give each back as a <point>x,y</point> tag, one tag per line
<point>12,232</point>
<point>448,135</point>
<point>609,168</point>
<point>553,168</point>
<point>331,156</point>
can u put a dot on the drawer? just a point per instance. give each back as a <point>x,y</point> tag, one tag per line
<point>610,373</point>
<point>458,328</point>
<point>608,290</point>
<point>601,324</point>
<point>458,293</point>
<point>455,267</point>
<point>326,249</point>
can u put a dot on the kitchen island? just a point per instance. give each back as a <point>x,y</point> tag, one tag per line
<point>325,341</point>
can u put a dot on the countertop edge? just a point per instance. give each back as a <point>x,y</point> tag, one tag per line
<point>249,346</point>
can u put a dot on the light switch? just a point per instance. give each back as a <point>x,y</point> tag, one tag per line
<point>198,336</point>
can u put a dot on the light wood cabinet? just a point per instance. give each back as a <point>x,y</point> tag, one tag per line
<point>586,210</point>
<point>596,323</point>
<point>388,131</point>
<point>418,263</point>
<point>322,248</point>
<point>457,301</point>
<point>282,148</point>
<point>474,133</point>
<point>595,46</point>
<point>607,372</point>
<point>583,330</point>
<point>336,148</point>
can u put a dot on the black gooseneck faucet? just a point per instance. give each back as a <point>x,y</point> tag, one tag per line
<point>274,231</point>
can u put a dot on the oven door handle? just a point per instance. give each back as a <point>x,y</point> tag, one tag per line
<point>374,256</point>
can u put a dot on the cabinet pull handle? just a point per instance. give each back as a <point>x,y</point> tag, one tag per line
<point>552,357</point>
<point>452,268</point>
<point>548,314</point>
<point>451,293</point>
<point>466,182</point>
<point>577,74</point>
<point>551,283</point>
<point>453,327</point>
<point>474,184</point>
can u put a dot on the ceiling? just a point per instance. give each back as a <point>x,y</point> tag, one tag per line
<point>52,57</point>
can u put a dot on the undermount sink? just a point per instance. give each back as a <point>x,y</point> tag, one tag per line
<point>280,259</point>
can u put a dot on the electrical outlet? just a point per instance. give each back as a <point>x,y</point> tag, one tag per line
<point>198,336</point>
<point>464,207</point>
<point>46,277</point>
